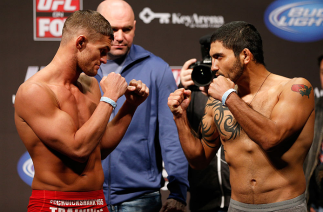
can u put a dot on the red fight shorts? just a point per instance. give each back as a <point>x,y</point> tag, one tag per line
<point>58,201</point>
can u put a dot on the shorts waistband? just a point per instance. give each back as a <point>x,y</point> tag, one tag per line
<point>67,195</point>
<point>276,206</point>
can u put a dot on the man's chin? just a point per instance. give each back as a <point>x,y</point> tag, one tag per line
<point>119,51</point>
<point>91,74</point>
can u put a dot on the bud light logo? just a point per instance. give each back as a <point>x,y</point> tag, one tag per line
<point>26,168</point>
<point>298,21</point>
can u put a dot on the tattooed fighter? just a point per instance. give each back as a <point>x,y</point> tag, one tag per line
<point>265,126</point>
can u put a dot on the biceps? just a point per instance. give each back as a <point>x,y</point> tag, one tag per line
<point>54,128</point>
<point>209,132</point>
<point>290,115</point>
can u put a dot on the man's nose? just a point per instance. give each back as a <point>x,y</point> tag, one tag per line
<point>118,35</point>
<point>214,66</point>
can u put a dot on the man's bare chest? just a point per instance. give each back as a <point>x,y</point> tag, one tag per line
<point>79,106</point>
<point>226,123</point>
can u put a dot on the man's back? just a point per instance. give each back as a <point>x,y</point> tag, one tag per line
<point>258,176</point>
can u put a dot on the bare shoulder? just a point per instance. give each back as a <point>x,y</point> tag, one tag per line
<point>31,90</point>
<point>212,107</point>
<point>209,107</point>
<point>284,86</point>
<point>299,86</point>
<point>297,94</point>
<point>32,96</point>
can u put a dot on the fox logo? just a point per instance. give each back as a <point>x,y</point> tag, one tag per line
<point>49,17</point>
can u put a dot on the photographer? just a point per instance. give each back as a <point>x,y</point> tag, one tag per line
<point>209,188</point>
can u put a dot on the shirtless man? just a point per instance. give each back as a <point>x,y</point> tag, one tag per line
<point>266,127</point>
<point>63,122</point>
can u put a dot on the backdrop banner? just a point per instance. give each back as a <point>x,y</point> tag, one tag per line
<point>292,35</point>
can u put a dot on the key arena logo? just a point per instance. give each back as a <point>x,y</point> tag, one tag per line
<point>298,21</point>
<point>25,168</point>
<point>192,21</point>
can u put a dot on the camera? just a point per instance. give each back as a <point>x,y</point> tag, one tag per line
<point>202,74</point>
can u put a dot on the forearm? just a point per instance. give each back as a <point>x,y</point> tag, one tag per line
<point>192,146</point>
<point>117,128</point>
<point>258,127</point>
<point>87,137</point>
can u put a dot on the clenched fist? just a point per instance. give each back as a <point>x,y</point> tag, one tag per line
<point>137,92</point>
<point>113,86</point>
<point>179,101</point>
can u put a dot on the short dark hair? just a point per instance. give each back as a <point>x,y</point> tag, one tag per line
<point>238,35</point>
<point>90,20</point>
<point>319,59</point>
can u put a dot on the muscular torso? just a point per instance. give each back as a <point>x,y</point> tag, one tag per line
<point>257,176</point>
<point>53,170</point>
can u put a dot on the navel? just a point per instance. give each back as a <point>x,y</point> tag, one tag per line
<point>253,182</point>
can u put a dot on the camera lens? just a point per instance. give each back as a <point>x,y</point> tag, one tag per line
<point>202,75</point>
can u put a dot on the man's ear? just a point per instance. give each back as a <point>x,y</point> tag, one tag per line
<point>81,42</point>
<point>246,56</point>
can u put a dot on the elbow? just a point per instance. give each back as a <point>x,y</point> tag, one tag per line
<point>80,156</point>
<point>198,166</point>
<point>267,148</point>
<point>198,160</point>
<point>269,144</point>
<point>81,159</point>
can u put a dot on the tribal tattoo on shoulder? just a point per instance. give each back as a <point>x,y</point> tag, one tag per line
<point>302,89</point>
<point>230,129</point>
<point>207,134</point>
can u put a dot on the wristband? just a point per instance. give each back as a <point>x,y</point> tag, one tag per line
<point>109,101</point>
<point>226,94</point>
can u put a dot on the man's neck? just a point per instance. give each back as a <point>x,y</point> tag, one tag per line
<point>63,69</point>
<point>251,79</point>
<point>120,60</point>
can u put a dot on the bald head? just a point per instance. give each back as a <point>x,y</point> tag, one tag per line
<point>122,19</point>
<point>115,8</point>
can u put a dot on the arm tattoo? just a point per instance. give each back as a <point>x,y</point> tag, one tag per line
<point>230,126</point>
<point>207,134</point>
<point>302,89</point>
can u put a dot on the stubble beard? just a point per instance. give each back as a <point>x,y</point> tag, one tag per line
<point>117,54</point>
<point>236,70</point>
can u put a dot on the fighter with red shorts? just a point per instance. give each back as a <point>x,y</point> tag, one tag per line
<point>63,120</point>
<point>58,201</point>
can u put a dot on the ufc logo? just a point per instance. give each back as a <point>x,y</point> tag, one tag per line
<point>54,5</point>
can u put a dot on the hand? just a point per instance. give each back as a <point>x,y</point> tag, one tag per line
<point>172,205</point>
<point>185,74</point>
<point>113,86</point>
<point>137,92</point>
<point>312,210</point>
<point>219,86</point>
<point>179,101</point>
